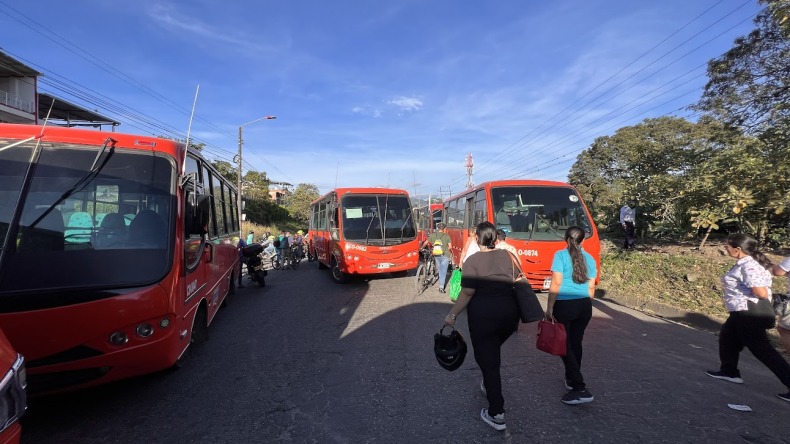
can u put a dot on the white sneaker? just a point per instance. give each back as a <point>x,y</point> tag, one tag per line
<point>496,421</point>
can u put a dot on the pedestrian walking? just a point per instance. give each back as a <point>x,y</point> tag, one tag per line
<point>745,285</point>
<point>783,321</point>
<point>492,315</point>
<point>439,242</point>
<point>573,273</point>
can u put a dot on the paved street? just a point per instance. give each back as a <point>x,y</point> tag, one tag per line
<point>307,360</point>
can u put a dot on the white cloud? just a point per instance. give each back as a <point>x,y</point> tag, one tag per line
<point>407,103</point>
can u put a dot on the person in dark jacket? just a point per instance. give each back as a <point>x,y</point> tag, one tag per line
<point>492,314</point>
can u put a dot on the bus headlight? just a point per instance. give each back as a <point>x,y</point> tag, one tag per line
<point>118,338</point>
<point>144,330</point>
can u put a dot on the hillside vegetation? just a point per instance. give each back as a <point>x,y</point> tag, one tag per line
<point>673,274</point>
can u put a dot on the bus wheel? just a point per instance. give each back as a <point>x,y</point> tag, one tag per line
<point>198,335</point>
<point>337,275</point>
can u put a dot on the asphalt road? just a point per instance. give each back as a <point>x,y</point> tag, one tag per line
<point>308,361</point>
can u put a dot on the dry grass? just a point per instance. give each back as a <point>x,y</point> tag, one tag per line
<point>677,275</point>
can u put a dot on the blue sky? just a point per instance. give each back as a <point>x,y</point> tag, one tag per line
<point>380,93</point>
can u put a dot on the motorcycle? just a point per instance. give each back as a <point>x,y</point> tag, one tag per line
<point>255,269</point>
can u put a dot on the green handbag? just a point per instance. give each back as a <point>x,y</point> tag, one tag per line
<point>455,285</point>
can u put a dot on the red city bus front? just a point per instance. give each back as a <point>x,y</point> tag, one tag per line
<point>107,270</point>
<point>534,214</point>
<point>364,231</point>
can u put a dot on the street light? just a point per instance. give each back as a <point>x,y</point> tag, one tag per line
<point>241,142</point>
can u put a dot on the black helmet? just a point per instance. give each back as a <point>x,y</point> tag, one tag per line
<point>450,349</point>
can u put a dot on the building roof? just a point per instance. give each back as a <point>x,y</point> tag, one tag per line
<point>11,67</point>
<point>73,115</point>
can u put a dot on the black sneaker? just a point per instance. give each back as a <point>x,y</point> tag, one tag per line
<point>784,396</point>
<point>442,290</point>
<point>721,375</point>
<point>496,421</point>
<point>574,397</point>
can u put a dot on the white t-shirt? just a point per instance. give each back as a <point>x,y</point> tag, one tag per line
<point>473,248</point>
<point>785,264</point>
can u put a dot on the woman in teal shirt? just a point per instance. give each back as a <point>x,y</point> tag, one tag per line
<point>570,302</point>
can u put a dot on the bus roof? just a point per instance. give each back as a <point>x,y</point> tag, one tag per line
<point>512,183</point>
<point>363,190</point>
<point>87,136</point>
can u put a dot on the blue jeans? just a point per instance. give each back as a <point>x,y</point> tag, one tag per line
<point>442,262</point>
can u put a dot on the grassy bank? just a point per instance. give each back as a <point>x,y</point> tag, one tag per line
<point>677,275</point>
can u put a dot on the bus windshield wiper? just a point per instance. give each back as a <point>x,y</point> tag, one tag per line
<point>94,171</point>
<point>404,226</point>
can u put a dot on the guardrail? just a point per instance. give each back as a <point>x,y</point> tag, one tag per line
<point>14,101</point>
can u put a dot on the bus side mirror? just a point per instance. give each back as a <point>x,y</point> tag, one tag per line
<point>202,212</point>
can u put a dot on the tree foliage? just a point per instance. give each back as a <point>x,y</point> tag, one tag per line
<point>298,202</point>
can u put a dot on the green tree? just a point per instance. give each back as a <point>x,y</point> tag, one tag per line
<point>298,202</point>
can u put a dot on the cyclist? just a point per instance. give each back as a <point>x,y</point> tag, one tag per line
<point>298,242</point>
<point>439,241</point>
<point>268,247</point>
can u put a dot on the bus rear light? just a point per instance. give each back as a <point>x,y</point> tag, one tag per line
<point>118,338</point>
<point>164,323</point>
<point>144,330</point>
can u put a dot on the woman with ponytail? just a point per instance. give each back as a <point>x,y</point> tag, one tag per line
<point>747,282</point>
<point>572,288</point>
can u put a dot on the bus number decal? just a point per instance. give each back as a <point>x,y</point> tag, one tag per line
<point>356,247</point>
<point>528,253</point>
<point>191,288</point>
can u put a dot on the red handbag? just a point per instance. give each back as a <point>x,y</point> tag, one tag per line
<point>551,337</point>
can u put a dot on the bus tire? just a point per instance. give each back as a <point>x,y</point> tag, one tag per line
<point>337,275</point>
<point>197,335</point>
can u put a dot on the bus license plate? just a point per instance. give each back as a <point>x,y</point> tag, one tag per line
<point>546,283</point>
<point>384,265</point>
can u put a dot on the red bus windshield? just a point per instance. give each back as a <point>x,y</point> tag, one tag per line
<point>538,213</point>
<point>377,219</point>
<point>103,215</point>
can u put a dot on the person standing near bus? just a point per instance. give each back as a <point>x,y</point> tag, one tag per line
<point>783,321</point>
<point>470,247</point>
<point>571,292</point>
<point>241,246</point>
<point>439,242</point>
<point>628,222</point>
<point>502,244</point>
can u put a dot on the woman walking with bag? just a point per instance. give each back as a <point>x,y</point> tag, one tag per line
<point>492,314</point>
<point>572,288</point>
<point>747,296</point>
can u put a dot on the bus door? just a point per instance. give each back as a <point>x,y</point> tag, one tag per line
<point>197,253</point>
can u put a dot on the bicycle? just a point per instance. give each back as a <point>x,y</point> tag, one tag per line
<point>427,274</point>
<point>296,256</point>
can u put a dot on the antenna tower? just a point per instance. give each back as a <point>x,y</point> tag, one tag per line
<point>470,167</point>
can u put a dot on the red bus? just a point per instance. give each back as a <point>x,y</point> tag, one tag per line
<point>12,392</point>
<point>426,216</point>
<point>533,213</point>
<point>117,251</point>
<point>364,231</point>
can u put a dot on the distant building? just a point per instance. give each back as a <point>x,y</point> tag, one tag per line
<point>279,190</point>
<point>20,101</point>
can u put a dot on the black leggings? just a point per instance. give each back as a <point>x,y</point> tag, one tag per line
<point>741,331</point>
<point>574,314</point>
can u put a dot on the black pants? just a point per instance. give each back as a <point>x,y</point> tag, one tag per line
<point>741,331</point>
<point>491,321</point>
<point>241,271</point>
<point>574,314</point>
<point>629,235</point>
